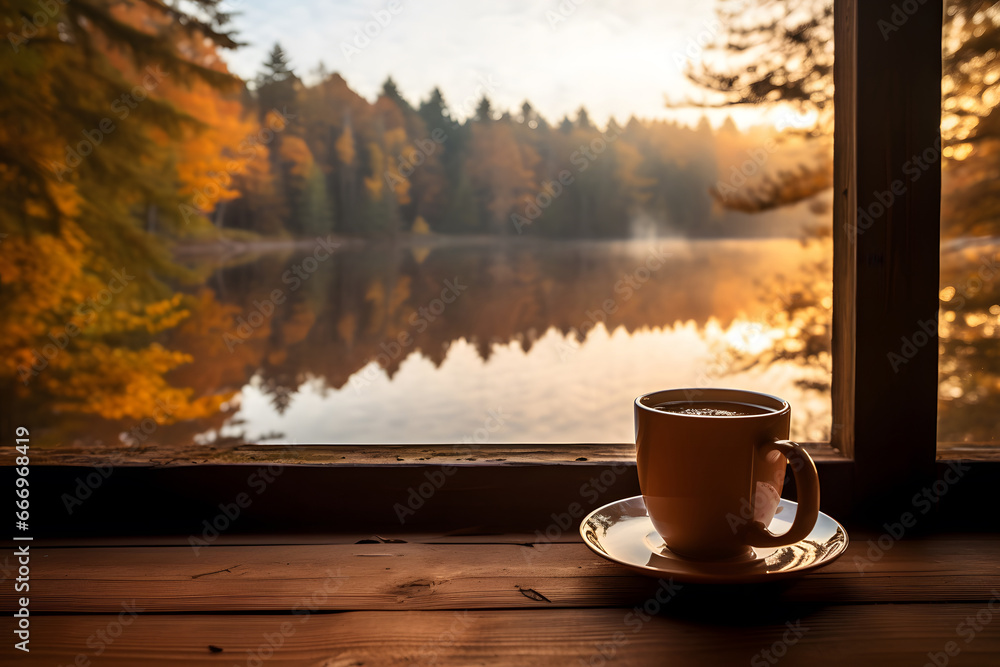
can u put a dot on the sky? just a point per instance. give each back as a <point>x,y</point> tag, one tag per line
<point>615,58</point>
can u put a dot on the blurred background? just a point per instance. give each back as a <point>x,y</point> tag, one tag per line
<point>230,222</point>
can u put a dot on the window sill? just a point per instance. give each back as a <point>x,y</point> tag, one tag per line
<point>366,455</point>
<point>494,488</point>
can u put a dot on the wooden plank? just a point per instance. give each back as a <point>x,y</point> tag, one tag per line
<point>886,245</point>
<point>69,501</point>
<point>842,385</point>
<point>293,539</point>
<point>429,576</point>
<point>739,634</point>
<point>488,454</point>
<point>138,502</point>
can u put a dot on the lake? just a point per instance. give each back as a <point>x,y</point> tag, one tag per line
<point>510,341</point>
<point>446,340</point>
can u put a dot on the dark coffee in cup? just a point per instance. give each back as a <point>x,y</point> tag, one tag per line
<point>713,408</point>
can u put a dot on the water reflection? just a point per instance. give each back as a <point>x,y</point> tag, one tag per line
<point>431,342</point>
<point>426,342</point>
<point>541,395</point>
<point>417,343</point>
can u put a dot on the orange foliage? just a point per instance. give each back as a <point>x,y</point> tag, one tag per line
<point>345,146</point>
<point>374,183</point>
<point>208,155</point>
<point>295,151</point>
<point>76,333</point>
<point>501,170</point>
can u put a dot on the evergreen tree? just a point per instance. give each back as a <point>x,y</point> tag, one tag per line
<point>276,68</point>
<point>444,171</point>
<point>484,110</point>
<point>390,90</point>
<point>276,83</point>
<point>435,114</point>
<point>463,211</point>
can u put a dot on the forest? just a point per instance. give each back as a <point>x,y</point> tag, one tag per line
<point>338,163</point>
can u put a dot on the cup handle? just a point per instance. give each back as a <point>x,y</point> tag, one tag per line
<point>807,489</point>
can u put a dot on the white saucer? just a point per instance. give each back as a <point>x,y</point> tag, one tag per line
<point>622,532</point>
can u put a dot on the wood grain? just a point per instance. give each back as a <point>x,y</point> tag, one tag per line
<point>721,635</point>
<point>359,455</point>
<point>258,539</point>
<point>886,249</point>
<point>462,576</point>
<point>845,205</point>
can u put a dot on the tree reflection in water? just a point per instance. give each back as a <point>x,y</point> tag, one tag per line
<point>373,313</point>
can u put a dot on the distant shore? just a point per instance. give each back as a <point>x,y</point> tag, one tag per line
<point>233,247</point>
<point>229,248</point>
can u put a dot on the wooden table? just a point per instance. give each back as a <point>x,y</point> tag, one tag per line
<point>501,599</point>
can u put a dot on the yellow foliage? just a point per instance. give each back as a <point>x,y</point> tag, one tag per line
<point>395,139</point>
<point>374,182</point>
<point>420,226</point>
<point>388,170</point>
<point>87,330</point>
<point>501,168</point>
<point>345,146</point>
<point>298,327</point>
<point>275,121</point>
<point>66,198</point>
<point>400,185</point>
<point>420,253</point>
<point>347,326</point>
<point>205,158</point>
<point>400,293</point>
<point>294,149</point>
<point>78,334</point>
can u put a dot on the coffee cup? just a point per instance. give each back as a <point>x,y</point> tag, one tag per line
<point>711,465</point>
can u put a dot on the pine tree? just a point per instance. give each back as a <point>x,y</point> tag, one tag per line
<point>390,90</point>
<point>276,68</point>
<point>484,110</point>
<point>435,115</point>
<point>276,84</point>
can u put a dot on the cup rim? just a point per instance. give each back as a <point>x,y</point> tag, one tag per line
<point>781,408</point>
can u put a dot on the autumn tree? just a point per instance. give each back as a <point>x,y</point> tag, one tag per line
<point>337,124</point>
<point>500,170</point>
<point>78,179</point>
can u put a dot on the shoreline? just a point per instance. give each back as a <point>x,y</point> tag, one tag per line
<point>230,247</point>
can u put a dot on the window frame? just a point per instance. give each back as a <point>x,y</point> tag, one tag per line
<point>883,440</point>
<point>885,275</point>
